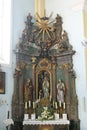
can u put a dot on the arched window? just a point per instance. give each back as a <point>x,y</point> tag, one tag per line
<point>5,31</point>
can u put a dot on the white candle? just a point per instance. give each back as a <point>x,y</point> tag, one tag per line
<point>29,103</point>
<point>59,103</point>
<point>64,105</point>
<point>33,105</point>
<point>25,105</point>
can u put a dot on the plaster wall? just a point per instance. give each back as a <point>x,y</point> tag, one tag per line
<point>20,10</point>
<point>73,23</point>
<point>71,12</point>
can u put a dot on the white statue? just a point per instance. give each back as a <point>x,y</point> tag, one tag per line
<point>60,91</point>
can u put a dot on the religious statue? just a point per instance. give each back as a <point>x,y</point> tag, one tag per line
<point>28,90</point>
<point>65,41</point>
<point>60,91</point>
<point>58,26</point>
<point>45,87</point>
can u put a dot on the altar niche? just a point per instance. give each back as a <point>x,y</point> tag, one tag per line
<point>44,53</point>
<point>44,79</point>
<point>43,84</point>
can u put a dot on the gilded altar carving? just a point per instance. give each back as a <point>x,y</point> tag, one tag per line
<point>44,63</point>
<point>44,68</point>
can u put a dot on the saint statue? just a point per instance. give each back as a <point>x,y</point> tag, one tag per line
<point>45,87</point>
<point>60,91</point>
<point>28,90</point>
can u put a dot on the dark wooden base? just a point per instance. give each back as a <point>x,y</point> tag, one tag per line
<point>46,127</point>
<point>74,125</point>
<point>17,126</point>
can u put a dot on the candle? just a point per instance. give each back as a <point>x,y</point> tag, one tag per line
<point>29,103</point>
<point>59,103</point>
<point>25,105</point>
<point>64,105</point>
<point>33,105</point>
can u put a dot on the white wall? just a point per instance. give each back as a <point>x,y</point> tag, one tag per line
<point>20,10</point>
<point>73,24</point>
<point>71,12</point>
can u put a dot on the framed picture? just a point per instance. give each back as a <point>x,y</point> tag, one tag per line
<point>2,82</point>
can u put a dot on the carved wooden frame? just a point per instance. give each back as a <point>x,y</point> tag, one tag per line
<point>46,68</point>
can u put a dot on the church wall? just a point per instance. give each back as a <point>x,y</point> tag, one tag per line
<point>72,14</point>
<point>20,9</point>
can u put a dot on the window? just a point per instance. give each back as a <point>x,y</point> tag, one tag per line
<point>5,31</point>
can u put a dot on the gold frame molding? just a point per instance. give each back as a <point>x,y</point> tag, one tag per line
<point>44,65</point>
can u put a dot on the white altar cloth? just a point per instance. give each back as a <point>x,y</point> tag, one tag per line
<point>8,122</point>
<point>46,122</point>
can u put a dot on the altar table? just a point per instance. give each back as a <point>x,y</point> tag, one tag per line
<point>46,125</point>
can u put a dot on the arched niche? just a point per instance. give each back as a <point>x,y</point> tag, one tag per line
<point>43,68</point>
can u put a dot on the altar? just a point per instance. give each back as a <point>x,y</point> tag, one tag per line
<point>44,78</point>
<point>46,125</point>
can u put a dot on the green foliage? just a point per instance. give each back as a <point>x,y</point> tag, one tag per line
<point>45,113</point>
<point>39,110</point>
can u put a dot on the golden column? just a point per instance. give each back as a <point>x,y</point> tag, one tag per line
<point>53,76</point>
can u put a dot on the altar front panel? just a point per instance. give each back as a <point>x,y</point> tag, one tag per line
<point>46,125</point>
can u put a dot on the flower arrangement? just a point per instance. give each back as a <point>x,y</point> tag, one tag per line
<point>44,111</point>
<point>46,114</point>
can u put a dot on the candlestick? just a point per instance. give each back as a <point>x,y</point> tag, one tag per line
<point>56,105</point>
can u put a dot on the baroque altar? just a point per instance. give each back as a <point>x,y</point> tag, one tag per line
<point>44,77</point>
